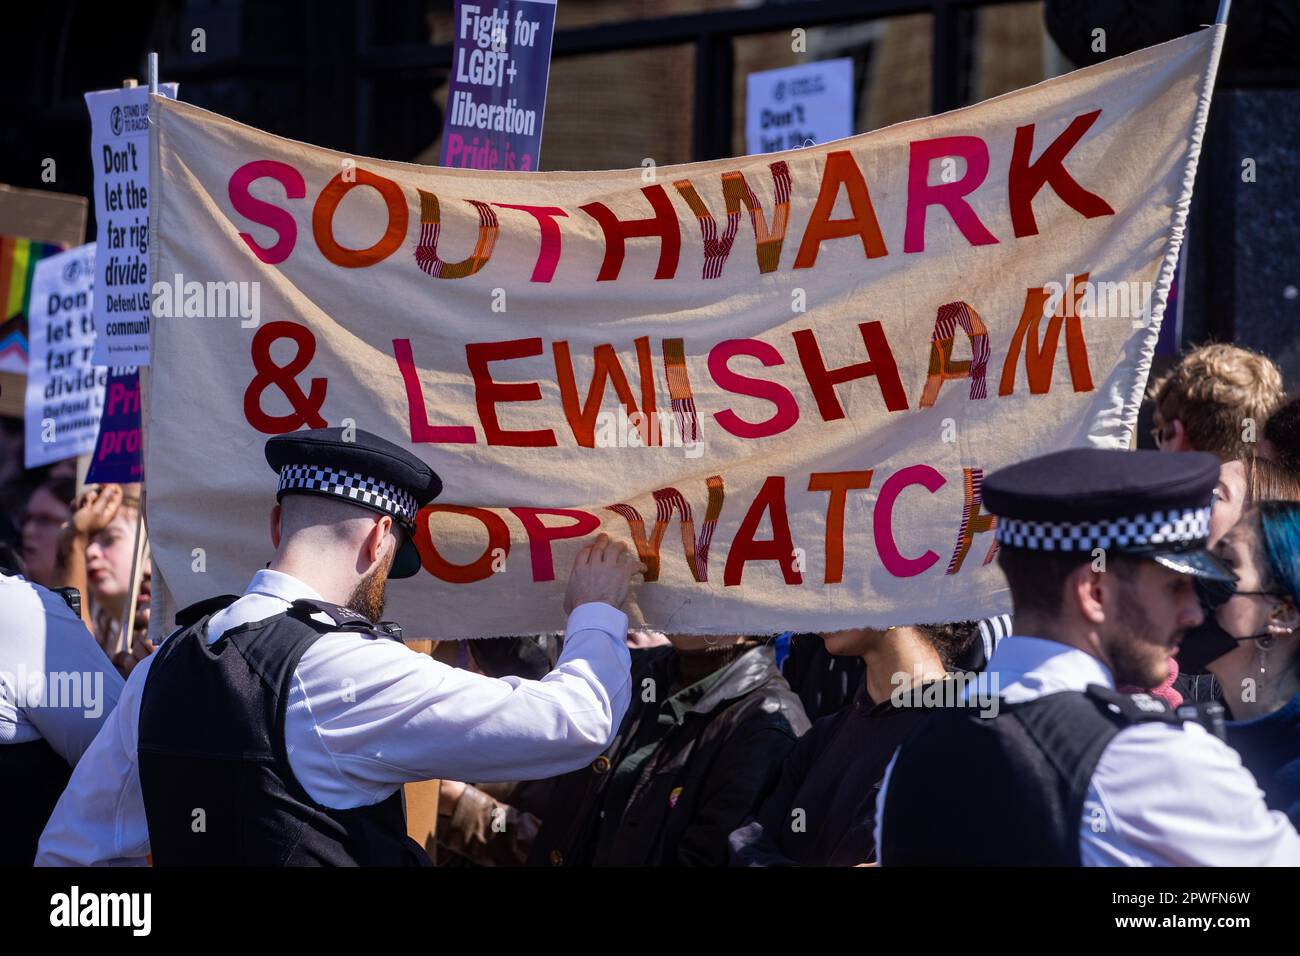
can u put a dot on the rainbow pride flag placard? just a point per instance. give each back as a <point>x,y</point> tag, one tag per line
<point>18,258</point>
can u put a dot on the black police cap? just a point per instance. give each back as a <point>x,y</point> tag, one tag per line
<point>1143,503</point>
<point>361,469</point>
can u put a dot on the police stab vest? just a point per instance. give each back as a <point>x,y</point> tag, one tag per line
<point>1009,790</point>
<point>214,771</point>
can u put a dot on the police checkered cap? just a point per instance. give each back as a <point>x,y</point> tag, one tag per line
<point>1161,530</point>
<point>350,486</point>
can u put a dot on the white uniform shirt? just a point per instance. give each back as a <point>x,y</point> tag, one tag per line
<point>56,684</point>
<point>1161,794</point>
<point>366,715</point>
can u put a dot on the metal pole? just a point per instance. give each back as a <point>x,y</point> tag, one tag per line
<point>949,54</point>
<point>126,635</point>
<point>714,72</point>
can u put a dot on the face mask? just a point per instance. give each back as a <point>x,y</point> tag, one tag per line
<point>1213,594</point>
<point>1208,641</point>
<point>1205,644</point>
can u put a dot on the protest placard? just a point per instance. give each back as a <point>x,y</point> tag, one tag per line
<point>781,378</point>
<point>65,391</point>
<point>119,143</point>
<point>34,223</point>
<point>18,259</point>
<point>118,449</point>
<point>500,66</point>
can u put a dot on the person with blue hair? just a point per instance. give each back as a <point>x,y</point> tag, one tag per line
<point>1251,643</point>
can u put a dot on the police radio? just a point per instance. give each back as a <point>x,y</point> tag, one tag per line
<point>71,597</point>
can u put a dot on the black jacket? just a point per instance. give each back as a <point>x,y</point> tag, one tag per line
<point>822,810</point>
<point>695,771</point>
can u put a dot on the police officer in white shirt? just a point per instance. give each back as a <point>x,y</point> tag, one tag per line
<point>57,688</point>
<point>1101,549</point>
<point>279,727</point>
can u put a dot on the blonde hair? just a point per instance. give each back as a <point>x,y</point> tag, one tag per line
<point>1213,390</point>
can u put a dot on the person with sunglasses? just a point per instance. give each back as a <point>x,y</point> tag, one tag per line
<point>1250,641</point>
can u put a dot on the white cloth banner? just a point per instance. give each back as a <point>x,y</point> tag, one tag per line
<point>65,391</point>
<point>781,377</point>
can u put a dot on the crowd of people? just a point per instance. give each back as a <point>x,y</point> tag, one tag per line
<point>85,542</point>
<point>1175,665</point>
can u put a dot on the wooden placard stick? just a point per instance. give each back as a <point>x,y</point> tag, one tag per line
<point>127,632</point>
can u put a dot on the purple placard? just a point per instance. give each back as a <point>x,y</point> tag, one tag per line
<point>1171,328</point>
<point>500,66</point>
<point>117,455</point>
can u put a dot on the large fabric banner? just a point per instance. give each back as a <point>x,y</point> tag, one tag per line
<point>780,378</point>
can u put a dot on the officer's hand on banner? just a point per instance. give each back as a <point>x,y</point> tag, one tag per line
<point>602,571</point>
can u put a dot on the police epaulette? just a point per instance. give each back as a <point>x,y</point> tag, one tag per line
<point>1134,708</point>
<point>1144,708</point>
<point>197,612</point>
<point>344,618</point>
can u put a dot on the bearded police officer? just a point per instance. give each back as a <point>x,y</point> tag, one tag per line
<point>1101,550</point>
<point>278,728</point>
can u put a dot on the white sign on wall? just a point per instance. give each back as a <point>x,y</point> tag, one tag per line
<point>799,106</point>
